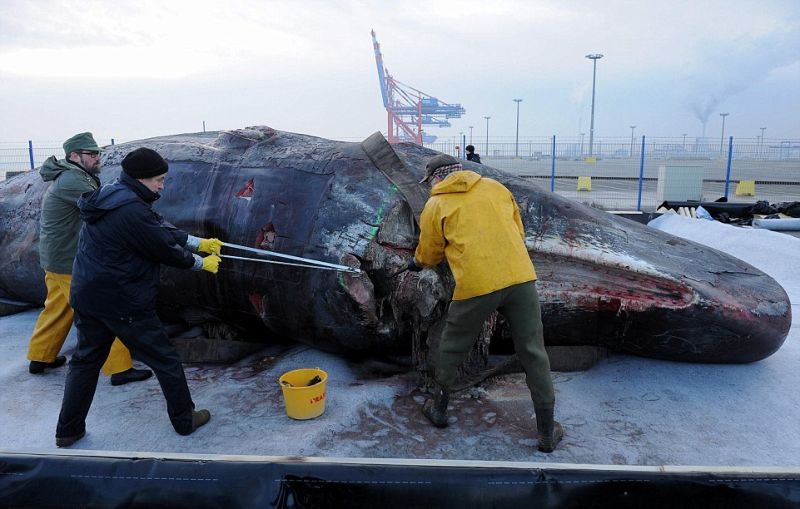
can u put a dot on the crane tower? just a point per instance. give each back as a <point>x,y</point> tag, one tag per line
<point>408,108</point>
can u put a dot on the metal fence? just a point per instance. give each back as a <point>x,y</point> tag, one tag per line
<point>619,174</point>
<point>15,157</point>
<point>633,173</point>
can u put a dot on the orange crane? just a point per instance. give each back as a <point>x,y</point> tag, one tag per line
<point>408,108</point>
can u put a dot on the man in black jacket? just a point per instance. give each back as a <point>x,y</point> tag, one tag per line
<point>122,244</point>
<point>472,156</point>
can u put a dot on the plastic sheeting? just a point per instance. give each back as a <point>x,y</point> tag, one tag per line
<point>80,480</point>
<point>788,224</point>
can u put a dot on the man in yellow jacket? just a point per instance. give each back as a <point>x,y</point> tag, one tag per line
<point>474,222</point>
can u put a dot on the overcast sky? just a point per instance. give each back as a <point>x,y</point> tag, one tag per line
<point>134,69</point>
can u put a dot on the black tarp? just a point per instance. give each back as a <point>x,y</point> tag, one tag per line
<point>148,481</point>
<point>714,207</point>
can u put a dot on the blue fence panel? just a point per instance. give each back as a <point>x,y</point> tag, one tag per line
<point>14,157</point>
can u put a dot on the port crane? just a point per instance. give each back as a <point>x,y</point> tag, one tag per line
<point>409,108</point>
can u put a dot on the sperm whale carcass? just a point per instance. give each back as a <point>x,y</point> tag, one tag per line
<point>603,280</point>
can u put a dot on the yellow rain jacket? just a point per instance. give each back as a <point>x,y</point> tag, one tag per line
<point>475,223</point>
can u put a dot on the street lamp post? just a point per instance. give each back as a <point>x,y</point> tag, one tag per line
<point>594,57</point>
<point>582,135</point>
<point>470,135</point>
<point>486,153</point>
<point>722,136</point>
<point>761,148</point>
<point>684,142</point>
<point>516,144</point>
<point>632,138</point>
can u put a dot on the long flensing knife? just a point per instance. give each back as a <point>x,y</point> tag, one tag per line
<point>307,262</point>
<point>301,265</point>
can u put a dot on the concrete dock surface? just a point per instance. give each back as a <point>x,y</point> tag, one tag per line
<point>623,411</point>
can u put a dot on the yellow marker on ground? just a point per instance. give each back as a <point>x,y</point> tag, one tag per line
<point>746,188</point>
<point>584,183</point>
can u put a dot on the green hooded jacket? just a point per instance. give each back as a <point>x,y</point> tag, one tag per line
<point>60,221</point>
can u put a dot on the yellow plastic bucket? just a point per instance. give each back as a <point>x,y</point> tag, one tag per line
<point>303,401</point>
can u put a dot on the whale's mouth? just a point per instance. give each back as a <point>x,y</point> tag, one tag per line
<point>608,288</point>
<point>720,317</point>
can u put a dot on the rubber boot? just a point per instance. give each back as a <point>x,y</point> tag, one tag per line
<point>38,367</point>
<point>550,432</point>
<point>199,418</point>
<point>435,409</point>
<point>130,375</point>
<point>68,441</point>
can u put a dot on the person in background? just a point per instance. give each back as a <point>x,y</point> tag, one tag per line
<point>58,242</point>
<point>122,244</point>
<point>475,224</point>
<point>472,156</point>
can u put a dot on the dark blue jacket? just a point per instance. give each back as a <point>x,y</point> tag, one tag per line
<point>122,243</point>
<point>475,158</point>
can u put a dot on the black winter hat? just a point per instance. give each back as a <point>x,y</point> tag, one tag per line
<point>144,163</point>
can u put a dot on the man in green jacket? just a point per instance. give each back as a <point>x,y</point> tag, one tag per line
<point>58,243</point>
<point>475,224</point>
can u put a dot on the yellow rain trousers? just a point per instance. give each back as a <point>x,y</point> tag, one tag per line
<point>53,326</point>
<point>466,209</point>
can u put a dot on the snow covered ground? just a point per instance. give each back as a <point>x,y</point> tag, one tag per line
<point>623,411</point>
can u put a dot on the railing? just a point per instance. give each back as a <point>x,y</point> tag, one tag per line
<point>624,172</point>
<point>20,157</point>
<point>624,148</point>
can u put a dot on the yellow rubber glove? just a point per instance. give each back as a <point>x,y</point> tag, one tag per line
<point>210,246</point>
<point>211,263</point>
